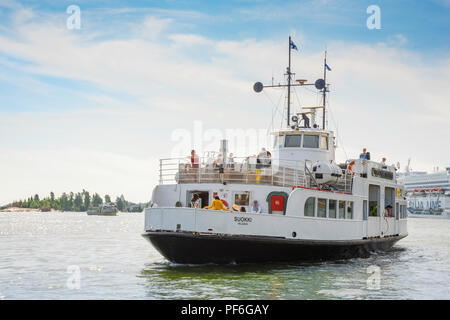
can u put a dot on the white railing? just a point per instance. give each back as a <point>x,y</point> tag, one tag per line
<point>284,173</point>
<point>239,170</point>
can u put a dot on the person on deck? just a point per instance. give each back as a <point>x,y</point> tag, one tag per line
<point>217,205</point>
<point>195,201</point>
<point>262,159</point>
<point>194,160</point>
<point>256,208</point>
<point>230,162</point>
<point>364,155</point>
<point>383,161</point>
<point>388,211</point>
<point>218,163</point>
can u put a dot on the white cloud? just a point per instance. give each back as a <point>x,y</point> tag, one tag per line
<point>189,39</point>
<point>397,40</point>
<point>153,26</point>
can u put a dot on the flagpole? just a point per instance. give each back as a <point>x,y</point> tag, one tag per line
<point>325,88</point>
<point>289,86</point>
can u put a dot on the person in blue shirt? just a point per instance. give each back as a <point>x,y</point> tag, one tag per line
<point>364,155</point>
<point>256,208</point>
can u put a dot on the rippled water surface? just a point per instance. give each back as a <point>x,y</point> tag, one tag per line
<point>40,254</point>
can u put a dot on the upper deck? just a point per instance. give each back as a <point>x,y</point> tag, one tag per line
<point>249,170</point>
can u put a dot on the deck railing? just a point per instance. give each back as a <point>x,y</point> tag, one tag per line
<point>283,173</point>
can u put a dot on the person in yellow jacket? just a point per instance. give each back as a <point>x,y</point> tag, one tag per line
<point>217,204</point>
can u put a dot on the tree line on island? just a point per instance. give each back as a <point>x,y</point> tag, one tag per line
<point>78,202</point>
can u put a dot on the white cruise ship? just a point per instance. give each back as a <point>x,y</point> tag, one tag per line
<point>428,193</point>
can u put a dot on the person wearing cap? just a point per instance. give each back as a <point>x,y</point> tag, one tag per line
<point>235,207</point>
<point>217,204</point>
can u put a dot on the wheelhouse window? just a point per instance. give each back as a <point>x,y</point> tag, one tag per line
<point>332,209</point>
<point>310,141</point>
<point>310,206</point>
<point>324,142</point>
<point>341,209</point>
<point>349,211</point>
<point>322,208</point>
<point>292,141</point>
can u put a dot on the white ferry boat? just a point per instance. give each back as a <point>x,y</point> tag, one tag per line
<point>428,194</point>
<point>310,207</point>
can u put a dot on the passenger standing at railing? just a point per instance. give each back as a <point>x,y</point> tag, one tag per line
<point>230,162</point>
<point>388,211</point>
<point>194,160</point>
<point>263,159</point>
<point>195,201</point>
<point>364,155</point>
<point>219,161</point>
<point>256,208</point>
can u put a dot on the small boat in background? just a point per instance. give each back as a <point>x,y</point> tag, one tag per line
<point>107,209</point>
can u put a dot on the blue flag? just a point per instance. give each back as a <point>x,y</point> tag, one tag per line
<point>293,46</point>
<point>328,68</point>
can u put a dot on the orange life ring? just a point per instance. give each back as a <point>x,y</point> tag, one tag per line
<point>350,167</point>
<point>225,203</point>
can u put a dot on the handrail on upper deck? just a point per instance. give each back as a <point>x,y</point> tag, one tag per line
<point>246,170</point>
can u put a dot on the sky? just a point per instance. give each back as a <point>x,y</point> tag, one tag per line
<point>96,107</point>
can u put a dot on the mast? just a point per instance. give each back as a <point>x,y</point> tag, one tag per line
<point>320,84</point>
<point>289,86</point>
<point>324,88</point>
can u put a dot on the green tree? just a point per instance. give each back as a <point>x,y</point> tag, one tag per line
<point>78,202</point>
<point>52,198</point>
<point>71,200</point>
<point>64,202</point>
<point>96,200</point>
<point>57,204</point>
<point>107,198</point>
<point>86,199</point>
<point>34,204</point>
<point>120,204</point>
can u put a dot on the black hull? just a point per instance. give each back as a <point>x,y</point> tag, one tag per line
<point>190,248</point>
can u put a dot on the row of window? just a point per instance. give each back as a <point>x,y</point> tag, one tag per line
<point>295,141</point>
<point>328,208</point>
<point>399,213</point>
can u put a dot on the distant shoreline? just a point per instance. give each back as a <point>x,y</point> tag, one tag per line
<point>17,209</point>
